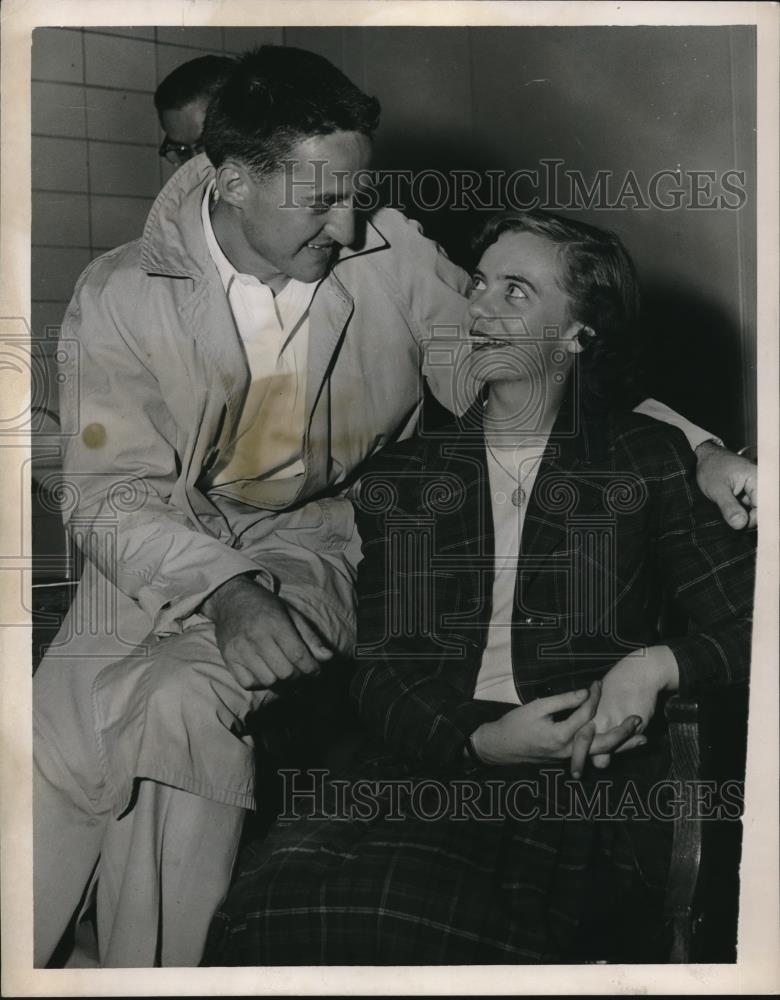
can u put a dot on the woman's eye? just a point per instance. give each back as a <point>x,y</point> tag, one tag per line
<point>516,292</point>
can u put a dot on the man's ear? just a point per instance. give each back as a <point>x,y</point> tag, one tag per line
<point>233,183</point>
<point>580,338</point>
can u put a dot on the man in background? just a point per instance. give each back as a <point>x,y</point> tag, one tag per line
<point>182,100</point>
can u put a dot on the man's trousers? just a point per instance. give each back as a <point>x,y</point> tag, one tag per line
<point>143,770</point>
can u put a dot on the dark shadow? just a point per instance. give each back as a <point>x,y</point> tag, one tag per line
<point>690,356</point>
<point>691,359</point>
<point>723,748</point>
<point>452,213</point>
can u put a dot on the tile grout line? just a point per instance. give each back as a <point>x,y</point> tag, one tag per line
<point>86,136</point>
<point>109,142</point>
<point>94,86</point>
<point>160,178</point>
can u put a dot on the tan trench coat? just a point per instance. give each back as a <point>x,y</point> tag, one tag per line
<point>155,389</point>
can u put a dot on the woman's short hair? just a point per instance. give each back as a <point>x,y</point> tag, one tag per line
<point>599,278</point>
<point>277,96</point>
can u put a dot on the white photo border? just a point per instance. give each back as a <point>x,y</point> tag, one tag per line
<point>758,967</point>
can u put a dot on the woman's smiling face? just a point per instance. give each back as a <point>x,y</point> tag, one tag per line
<point>518,314</point>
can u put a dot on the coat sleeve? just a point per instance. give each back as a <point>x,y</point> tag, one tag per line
<point>410,702</point>
<point>435,292</point>
<point>311,554</point>
<point>694,434</point>
<point>708,569</point>
<point>120,466</point>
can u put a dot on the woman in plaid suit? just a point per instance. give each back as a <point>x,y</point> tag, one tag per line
<point>510,661</point>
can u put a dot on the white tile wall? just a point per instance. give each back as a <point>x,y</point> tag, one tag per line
<point>115,220</point>
<point>122,169</point>
<point>57,55</point>
<point>61,219</point>
<point>55,270</point>
<point>196,38</point>
<point>117,115</point>
<point>58,164</point>
<point>58,109</point>
<point>111,61</point>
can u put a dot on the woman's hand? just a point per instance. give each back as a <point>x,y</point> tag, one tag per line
<point>631,687</point>
<point>529,734</point>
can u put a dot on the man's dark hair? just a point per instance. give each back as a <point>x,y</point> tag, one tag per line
<point>599,277</point>
<point>275,97</point>
<point>199,77</point>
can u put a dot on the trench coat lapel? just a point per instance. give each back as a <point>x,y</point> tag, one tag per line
<point>209,313</point>
<point>331,310</point>
<point>174,244</point>
<point>330,313</point>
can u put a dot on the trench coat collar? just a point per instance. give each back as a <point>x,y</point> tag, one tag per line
<point>173,243</point>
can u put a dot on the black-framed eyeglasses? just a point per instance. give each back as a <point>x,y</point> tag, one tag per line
<point>177,153</point>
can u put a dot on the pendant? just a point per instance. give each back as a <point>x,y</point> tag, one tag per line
<point>518,496</point>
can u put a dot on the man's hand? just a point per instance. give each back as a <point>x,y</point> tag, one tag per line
<point>528,733</point>
<point>730,481</point>
<point>630,687</point>
<point>262,641</point>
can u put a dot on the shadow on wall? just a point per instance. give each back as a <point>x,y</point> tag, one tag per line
<point>691,358</point>
<point>445,215</point>
<point>690,344</point>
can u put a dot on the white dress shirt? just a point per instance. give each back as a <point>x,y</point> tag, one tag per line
<point>274,331</point>
<point>495,680</point>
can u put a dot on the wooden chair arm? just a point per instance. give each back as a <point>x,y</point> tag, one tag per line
<point>683,722</point>
<point>707,734</point>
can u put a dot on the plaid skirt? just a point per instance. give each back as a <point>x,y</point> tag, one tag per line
<point>399,869</point>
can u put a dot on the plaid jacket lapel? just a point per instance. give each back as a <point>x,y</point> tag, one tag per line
<point>568,495</point>
<point>459,495</point>
<point>464,521</point>
<point>565,485</point>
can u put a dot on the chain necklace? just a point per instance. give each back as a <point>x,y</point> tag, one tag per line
<point>519,496</point>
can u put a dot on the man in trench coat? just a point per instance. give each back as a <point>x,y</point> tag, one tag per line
<point>205,483</point>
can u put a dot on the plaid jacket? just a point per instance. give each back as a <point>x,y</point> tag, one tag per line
<point>615,522</point>
<point>615,527</point>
